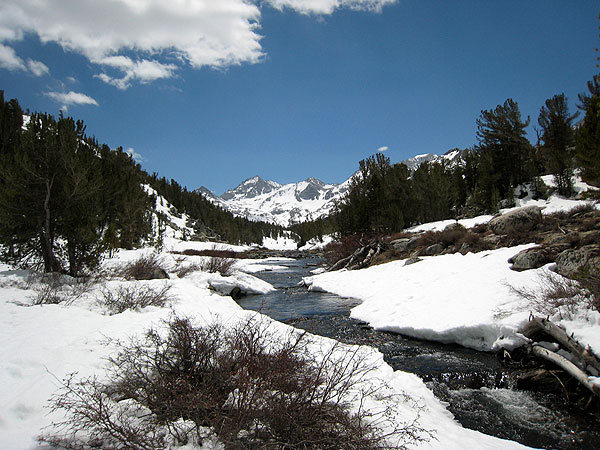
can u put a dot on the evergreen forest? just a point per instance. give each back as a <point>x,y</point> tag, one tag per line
<point>385,197</point>
<point>65,199</point>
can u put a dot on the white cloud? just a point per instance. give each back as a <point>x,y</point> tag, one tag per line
<point>72,98</point>
<point>329,6</point>
<point>147,40</point>
<point>135,155</point>
<point>37,68</point>
<point>145,70</point>
<point>155,34</point>
<point>385,148</point>
<point>11,61</point>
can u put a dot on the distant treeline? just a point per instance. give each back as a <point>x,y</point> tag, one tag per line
<point>386,197</point>
<point>65,199</point>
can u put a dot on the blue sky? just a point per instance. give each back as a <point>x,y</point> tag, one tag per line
<point>211,92</point>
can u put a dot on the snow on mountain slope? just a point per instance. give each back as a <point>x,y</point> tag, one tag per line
<point>266,200</point>
<point>269,201</point>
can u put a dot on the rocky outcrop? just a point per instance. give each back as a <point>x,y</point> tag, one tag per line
<point>405,244</point>
<point>531,258</point>
<point>434,249</point>
<point>519,220</point>
<point>573,262</point>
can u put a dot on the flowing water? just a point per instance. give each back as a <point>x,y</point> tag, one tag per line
<point>476,387</point>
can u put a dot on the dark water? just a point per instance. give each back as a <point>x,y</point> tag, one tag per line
<point>476,387</point>
<point>291,301</point>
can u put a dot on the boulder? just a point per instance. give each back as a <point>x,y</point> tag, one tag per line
<point>400,245</point>
<point>522,219</point>
<point>491,240</point>
<point>434,249</point>
<point>531,258</point>
<point>573,262</point>
<point>410,261</point>
<point>160,274</point>
<point>454,227</point>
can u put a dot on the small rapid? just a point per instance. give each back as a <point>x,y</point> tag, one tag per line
<point>474,385</point>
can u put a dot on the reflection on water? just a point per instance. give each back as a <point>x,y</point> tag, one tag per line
<point>291,301</point>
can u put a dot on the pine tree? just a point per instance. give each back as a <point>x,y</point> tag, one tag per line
<point>558,138</point>
<point>594,90</point>
<point>588,143</point>
<point>29,195</point>
<point>501,134</point>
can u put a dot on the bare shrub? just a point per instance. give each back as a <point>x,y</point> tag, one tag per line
<point>146,267</point>
<point>253,388</point>
<point>213,252</point>
<point>517,237</point>
<point>590,281</point>
<point>345,246</point>
<point>555,294</point>
<point>55,288</point>
<point>453,239</point>
<point>480,228</point>
<point>106,423</point>
<point>133,296</point>
<point>451,236</point>
<point>184,270</point>
<point>216,264</point>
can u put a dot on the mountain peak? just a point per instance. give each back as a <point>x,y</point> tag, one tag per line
<point>250,188</point>
<point>313,180</point>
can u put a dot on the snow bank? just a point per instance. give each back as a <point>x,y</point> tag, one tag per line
<point>462,299</point>
<point>281,243</point>
<point>316,244</point>
<point>261,265</point>
<point>441,224</point>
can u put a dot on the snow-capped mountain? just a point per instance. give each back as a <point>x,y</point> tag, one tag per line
<point>269,201</point>
<point>266,200</point>
<point>450,158</point>
<point>250,188</point>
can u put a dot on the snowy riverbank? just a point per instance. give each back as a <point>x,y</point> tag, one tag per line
<point>44,343</point>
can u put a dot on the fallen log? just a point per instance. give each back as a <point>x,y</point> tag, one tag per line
<point>567,366</point>
<point>585,355</point>
<point>361,257</point>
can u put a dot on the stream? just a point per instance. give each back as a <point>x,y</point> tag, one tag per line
<point>475,386</point>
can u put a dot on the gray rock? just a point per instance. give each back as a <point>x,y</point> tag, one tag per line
<point>412,244</point>
<point>454,226</point>
<point>410,261</point>
<point>531,258</point>
<point>492,240</point>
<point>522,219</point>
<point>572,262</point>
<point>160,274</point>
<point>434,249</point>
<point>236,293</point>
<point>400,245</point>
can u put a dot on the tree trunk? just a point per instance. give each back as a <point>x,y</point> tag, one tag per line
<point>51,264</point>
<point>567,366</point>
<point>585,355</point>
